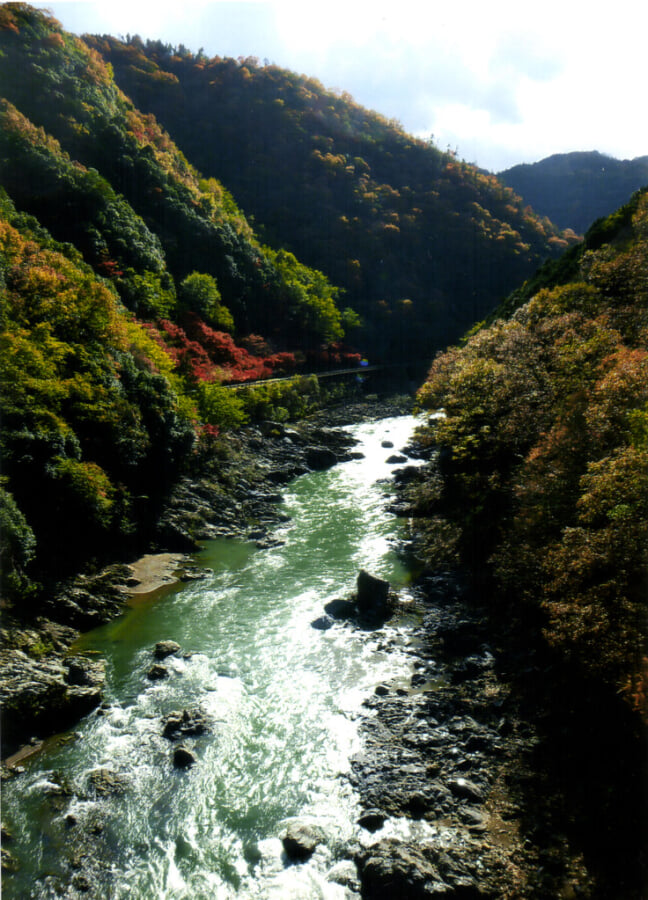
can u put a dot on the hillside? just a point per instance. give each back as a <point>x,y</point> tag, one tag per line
<point>540,491</point>
<point>422,243</point>
<point>99,174</point>
<point>132,291</point>
<point>575,189</point>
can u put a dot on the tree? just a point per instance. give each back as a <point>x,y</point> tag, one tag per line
<point>199,294</point>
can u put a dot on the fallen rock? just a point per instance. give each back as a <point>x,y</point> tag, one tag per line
<point>372,820</point>
<point>165,648</point>
<point>184,723</point>
<point>157,672</point>
<point>300,841</point>
<point>373,596</point>
<point>394,869</point>
<point>183,758</point>
<point>323,623</point>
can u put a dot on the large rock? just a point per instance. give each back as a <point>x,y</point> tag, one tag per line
<point>373,596</point>
<point>157,672</point>
<point>300,841</point>
<point>42,697</point>
<point>320,458</point>
<point>341,609</point>
<point>393,869</point>
<point>165,648</point>
<point>372,820</point>
<point>186,722</point>
<point>183,758</point>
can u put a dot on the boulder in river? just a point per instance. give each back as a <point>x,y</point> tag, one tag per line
<point>320,458</point>
<point>372,820</point>
<point>373,596</point>
<point>183,758</point>
<point>340,609</point>
<point>165,648</point>
<point>157,672</point>
<point>181,723</point>
<point>300,841</point>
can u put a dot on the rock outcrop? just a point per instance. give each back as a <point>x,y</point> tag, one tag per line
<point>41,697</point>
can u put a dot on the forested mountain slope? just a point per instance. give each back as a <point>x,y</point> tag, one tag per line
<point>541,492</point>
<point>99,174</point>
<point>131,290</point>
<point>544,455</point>
<point>422,243</point>
<point>574,189</point>
<point>95,425</point>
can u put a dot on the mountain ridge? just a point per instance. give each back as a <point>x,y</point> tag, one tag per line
<point>574,189</point>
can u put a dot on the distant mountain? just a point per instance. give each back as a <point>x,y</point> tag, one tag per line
<point>422,243</point>
<point>575,189</point>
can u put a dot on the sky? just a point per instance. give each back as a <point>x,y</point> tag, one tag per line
<point>501,82</point>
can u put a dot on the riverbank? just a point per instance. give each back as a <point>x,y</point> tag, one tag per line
<point>524,785</point>
<point>452,753</point>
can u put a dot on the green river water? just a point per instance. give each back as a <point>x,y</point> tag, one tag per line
<point>284,699</point>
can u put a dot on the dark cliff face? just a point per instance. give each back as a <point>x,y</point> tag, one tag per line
<point>575,189</point>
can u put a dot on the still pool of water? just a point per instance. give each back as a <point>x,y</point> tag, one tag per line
<point>283,698</point>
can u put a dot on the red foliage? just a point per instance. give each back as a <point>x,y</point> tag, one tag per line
<point>208,355</point>
<point>332,355</point>
<point>109,269</point>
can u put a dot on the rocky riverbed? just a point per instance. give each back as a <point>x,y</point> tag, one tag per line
<point>236,494</point>
<point>451,752</point>
<point>488,775</point>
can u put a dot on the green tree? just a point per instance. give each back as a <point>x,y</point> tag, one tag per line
<point>198,293</point>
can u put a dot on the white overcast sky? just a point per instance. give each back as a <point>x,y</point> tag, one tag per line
<point>503,82</point>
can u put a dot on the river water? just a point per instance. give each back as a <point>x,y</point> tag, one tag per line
<point>284,700</point>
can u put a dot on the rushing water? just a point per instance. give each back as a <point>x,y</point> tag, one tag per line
<point>283,698</point>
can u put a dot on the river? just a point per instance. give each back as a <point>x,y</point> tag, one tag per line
<point>283,698</point>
